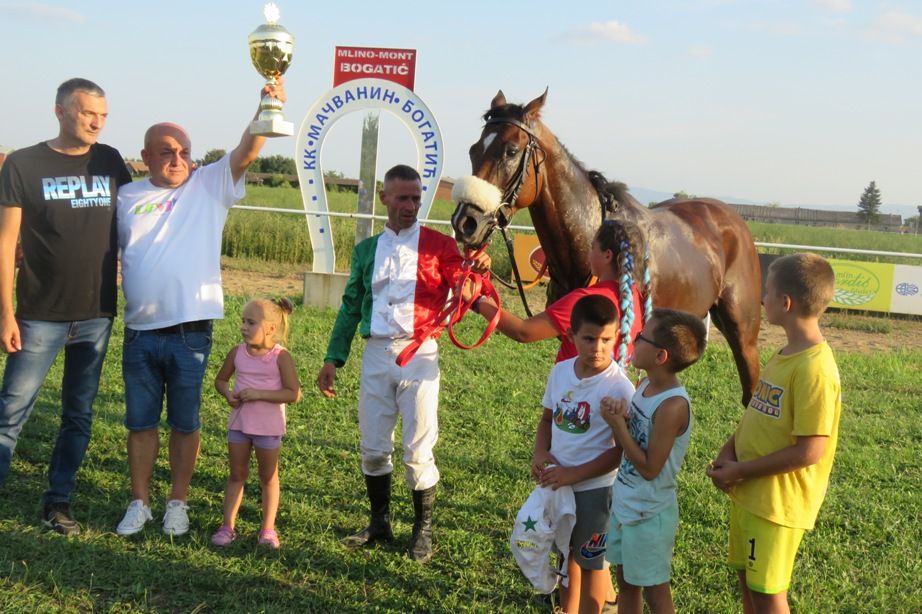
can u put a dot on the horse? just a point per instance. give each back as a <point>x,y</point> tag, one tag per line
<point>702,256</point>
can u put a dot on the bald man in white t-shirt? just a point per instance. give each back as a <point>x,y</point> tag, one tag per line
<point>169,229</point>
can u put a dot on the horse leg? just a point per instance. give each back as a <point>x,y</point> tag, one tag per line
<point>739,322</point>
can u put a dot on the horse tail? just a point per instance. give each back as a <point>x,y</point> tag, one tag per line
<point>626,262</point>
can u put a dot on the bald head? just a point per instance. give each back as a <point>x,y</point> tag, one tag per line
<point>168,154</point>
<point>167,128</point>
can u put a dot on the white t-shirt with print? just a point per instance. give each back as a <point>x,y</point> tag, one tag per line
<point>170,242</point>
<point>578,432</point>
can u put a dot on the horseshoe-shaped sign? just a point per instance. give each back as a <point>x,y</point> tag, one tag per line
<point>327,110</point>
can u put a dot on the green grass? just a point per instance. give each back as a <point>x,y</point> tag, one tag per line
<point>859,323</point>
<point>283,237</point>
<point>862,557</point>
<point>839,237</point>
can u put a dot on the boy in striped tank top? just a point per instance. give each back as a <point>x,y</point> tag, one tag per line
<point>653,431</point>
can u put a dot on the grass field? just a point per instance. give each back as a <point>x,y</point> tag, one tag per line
<point>862,557</point>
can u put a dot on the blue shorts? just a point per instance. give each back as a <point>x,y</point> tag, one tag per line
<point>263,442</point>
<point>644,550</point>
<point>157,361</point>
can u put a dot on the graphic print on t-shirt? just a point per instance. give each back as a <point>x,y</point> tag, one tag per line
<point>75,189</point>
<point>572,417</point>
<point>766,399</point>
<point>638,429</point>
<point>153,207</point>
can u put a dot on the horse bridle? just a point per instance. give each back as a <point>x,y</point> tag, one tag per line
<point>511,192</point>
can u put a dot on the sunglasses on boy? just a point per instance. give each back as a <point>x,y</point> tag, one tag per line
<point>640,337</point>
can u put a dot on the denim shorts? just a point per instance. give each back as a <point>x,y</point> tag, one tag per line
<point>154,363</point>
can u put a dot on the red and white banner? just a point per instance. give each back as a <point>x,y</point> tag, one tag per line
<point>397,65</point>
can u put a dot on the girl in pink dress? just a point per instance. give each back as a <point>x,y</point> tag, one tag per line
<point>265,379</point>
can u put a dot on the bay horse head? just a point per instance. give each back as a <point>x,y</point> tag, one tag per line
<point>506,163</point>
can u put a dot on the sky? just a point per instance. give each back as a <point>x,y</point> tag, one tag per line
<point>795,102</point>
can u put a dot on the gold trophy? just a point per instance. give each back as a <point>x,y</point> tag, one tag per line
<point>271,47</point>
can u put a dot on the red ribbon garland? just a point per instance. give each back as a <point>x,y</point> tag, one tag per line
<point>455,308</point>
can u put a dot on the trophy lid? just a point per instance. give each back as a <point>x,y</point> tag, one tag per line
<point>271,31</point>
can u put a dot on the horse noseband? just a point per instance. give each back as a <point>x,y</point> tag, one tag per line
<point>472,225</point>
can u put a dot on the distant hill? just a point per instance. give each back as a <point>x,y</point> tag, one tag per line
<point>646,196</point>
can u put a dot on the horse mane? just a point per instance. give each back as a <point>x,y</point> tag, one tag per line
<point>507,111</point>
<point>612,194</point>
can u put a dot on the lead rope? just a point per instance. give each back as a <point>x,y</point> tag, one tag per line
<point>455,309</point>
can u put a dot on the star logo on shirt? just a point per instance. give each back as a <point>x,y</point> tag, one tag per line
<point>530,524</point>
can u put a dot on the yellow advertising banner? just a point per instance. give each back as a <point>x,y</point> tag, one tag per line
<point>529,257</point>
<point>863,285</point>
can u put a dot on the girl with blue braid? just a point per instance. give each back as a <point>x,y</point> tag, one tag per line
<point>618,260</point>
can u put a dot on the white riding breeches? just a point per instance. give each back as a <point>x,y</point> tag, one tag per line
<point>413,393</point>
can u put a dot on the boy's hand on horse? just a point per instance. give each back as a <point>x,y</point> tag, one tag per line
<point>326,378</point>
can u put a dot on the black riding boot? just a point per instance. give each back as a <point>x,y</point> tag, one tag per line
<point>421,544</point>
<point>379,529</point>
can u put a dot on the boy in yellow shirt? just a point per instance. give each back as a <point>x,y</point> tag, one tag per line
<point>776,466</point>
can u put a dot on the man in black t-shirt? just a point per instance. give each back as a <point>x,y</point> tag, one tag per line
<point>58,198</point>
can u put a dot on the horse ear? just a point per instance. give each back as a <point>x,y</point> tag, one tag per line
<point>499,100</point>
<point>533,108</point>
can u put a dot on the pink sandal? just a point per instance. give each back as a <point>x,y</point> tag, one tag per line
<point>223,536</point>
<point>268,537</point>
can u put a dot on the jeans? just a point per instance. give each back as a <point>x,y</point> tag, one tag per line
<point>154,362</point>
<point>85,343</point>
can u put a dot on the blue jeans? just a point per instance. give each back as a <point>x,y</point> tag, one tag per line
<point>154,363</point>
<point>85,343</point>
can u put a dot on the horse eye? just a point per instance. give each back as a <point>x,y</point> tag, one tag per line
<point>512,151</point>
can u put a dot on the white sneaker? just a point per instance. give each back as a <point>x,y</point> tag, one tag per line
<point>135,518</point>
<point>175,518</point>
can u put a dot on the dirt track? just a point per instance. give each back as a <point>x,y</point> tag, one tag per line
<point>288,280</point>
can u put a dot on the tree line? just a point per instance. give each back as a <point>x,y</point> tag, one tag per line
<point>868,205</point>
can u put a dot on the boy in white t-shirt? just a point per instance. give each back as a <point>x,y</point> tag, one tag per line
<point>574,446</point>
